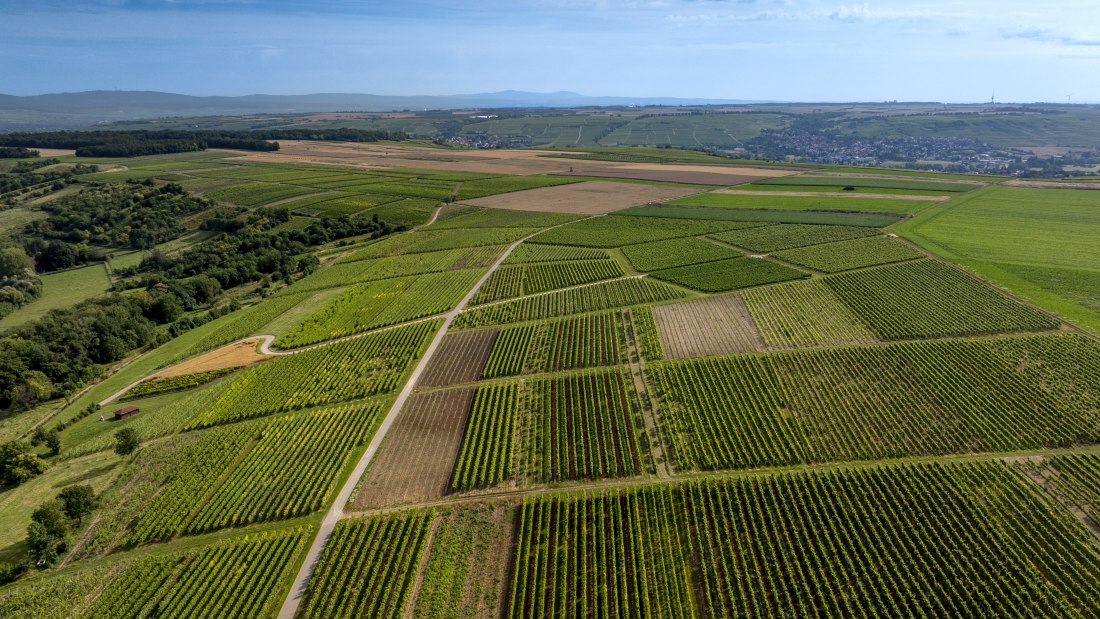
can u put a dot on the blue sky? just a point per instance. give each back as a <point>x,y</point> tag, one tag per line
<point>799,50</point>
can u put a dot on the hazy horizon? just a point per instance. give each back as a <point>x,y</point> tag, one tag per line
<point>778,50</point>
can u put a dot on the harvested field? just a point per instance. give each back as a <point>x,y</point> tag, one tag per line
<point>415,461</point>
<point>460,358</point>
<point>590,198</point>
<point>710,326</point>
<point>235,355</point>
<point>499,161</point>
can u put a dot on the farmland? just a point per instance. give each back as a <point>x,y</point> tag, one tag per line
<point>678,410</point>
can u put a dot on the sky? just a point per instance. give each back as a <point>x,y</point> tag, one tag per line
<point>783,50</point>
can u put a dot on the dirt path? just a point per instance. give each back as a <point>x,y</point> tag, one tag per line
<point>832,194</point>
<point>336,511</point>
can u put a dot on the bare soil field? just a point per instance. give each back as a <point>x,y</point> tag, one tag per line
<point>709,326</point>
<point>588,198</point>
<point>54,152</point>
<point>826,194</point>
<point>678,173</point>
<point>414,463</point>
<point>460,359</point>
<point>499,161</point>
<point>235,355</point>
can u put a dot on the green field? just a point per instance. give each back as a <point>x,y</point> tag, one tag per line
<point>59,290</point>
<point>804,203</point>
<point>1039,243</point>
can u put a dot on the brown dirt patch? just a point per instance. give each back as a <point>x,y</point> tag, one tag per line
<point>709,326</point>
<point>460,359</point>
<point>588,198</point>
<point>53,152</point>
<point>830,194</point>
<point>414,463</point>
<point>498,161</point>
<point>235,355</point>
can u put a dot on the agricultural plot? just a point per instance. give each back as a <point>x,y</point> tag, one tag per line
<point>582,426</point>
<point>620,230</point>
<point>416,460</point>
<point>730,274</point>
<point>486,455</point>
<point>803,314</point>
<point>508,356</point>
<point>788,236</point>
<point>645,333</point>
<point>780,202</point>
<point>616,554</point>
<point>238,474</point>
<point>875,183</point>
<point>243,323</point>
<point>374,364</point>
<point>434,240</point>
<point>368,567</point>
<point>584,341</point>
<point>241,577</point>
<point>853,254</point>
<point>467,565</point>
<point>460,358</point>
<point>765,216</point>
<point>675,253</point>
<point>913,541</point>
<point>607,295</point>
<point>337,206</point>
<point>591,197</point>
<point>914,398</point>
<point>255,194</point>
<point>1073,480</point>
<point>926,298</point>
<point>529,252</point>
<point>408,212</point>
<point>708,326</point>
<point>382,303</point>
<point>497,218</point>
<point>517,280</point>
<point>481,188</point>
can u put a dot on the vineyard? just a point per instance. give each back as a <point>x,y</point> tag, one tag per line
<point>486,456</point>
<point>853,254</point>
<point>529,252</point>
<point>514,281</point>
<point>581,426</point>
<point>174,383</point>
<point>708,326</point>
<point>370,365</point>
<point>730,274</point>
<point>346,272</point>
<point>579,342</point>
<point>380,304</point>
<point>616,293</point>
<point>1073,480</point>
<point>237,474</point>
<point>915,398</point>
<point>421,241</point>
<point>802,314</point>
<point>620,230</point>
<point>676,253</point>
<point>787,236</point>
<point>387,548</point>
<point>927,298</point>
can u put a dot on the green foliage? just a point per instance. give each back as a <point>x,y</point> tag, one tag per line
<point>18,463</point>
<point>78,501</point>
<point>804,313</point>
<point>523,279</point>
<point>730,274</point>
<point>646,332</point>
<point>529,252</point>
<point>779,202</point>
<point>127,440</point>
<point>486,455</point>
<point>869,220</point>
<point>508,356</point>
<point>897,400</point>
<point>500,218</point>
<point>617,293</point>
<point>877,183</point>
<point>853,254</point>
<point>786,236</point>
<point>480,188</point>
<point>927,298</point>
<point>174,383</point>
<point>374,364</point>
<point>676,252</point>
<point>388,546</point>
<point>620,230</point>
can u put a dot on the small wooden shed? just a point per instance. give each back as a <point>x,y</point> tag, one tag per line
<point>127,411</point>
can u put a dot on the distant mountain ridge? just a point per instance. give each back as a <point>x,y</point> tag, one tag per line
<point>79,109</point>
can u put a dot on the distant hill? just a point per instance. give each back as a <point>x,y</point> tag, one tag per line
<point>83,109</point>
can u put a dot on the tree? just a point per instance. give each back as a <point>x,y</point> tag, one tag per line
<point>78,501</point>
<point>44,548</point>
<point>18,463</point>
<point>53,441</point>
<point>127,441</point>
<point>51,515</point>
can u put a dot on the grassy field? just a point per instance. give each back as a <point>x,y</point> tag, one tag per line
<point>61,289</point>
<point>803,203</point>
<point>1039,243</point>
